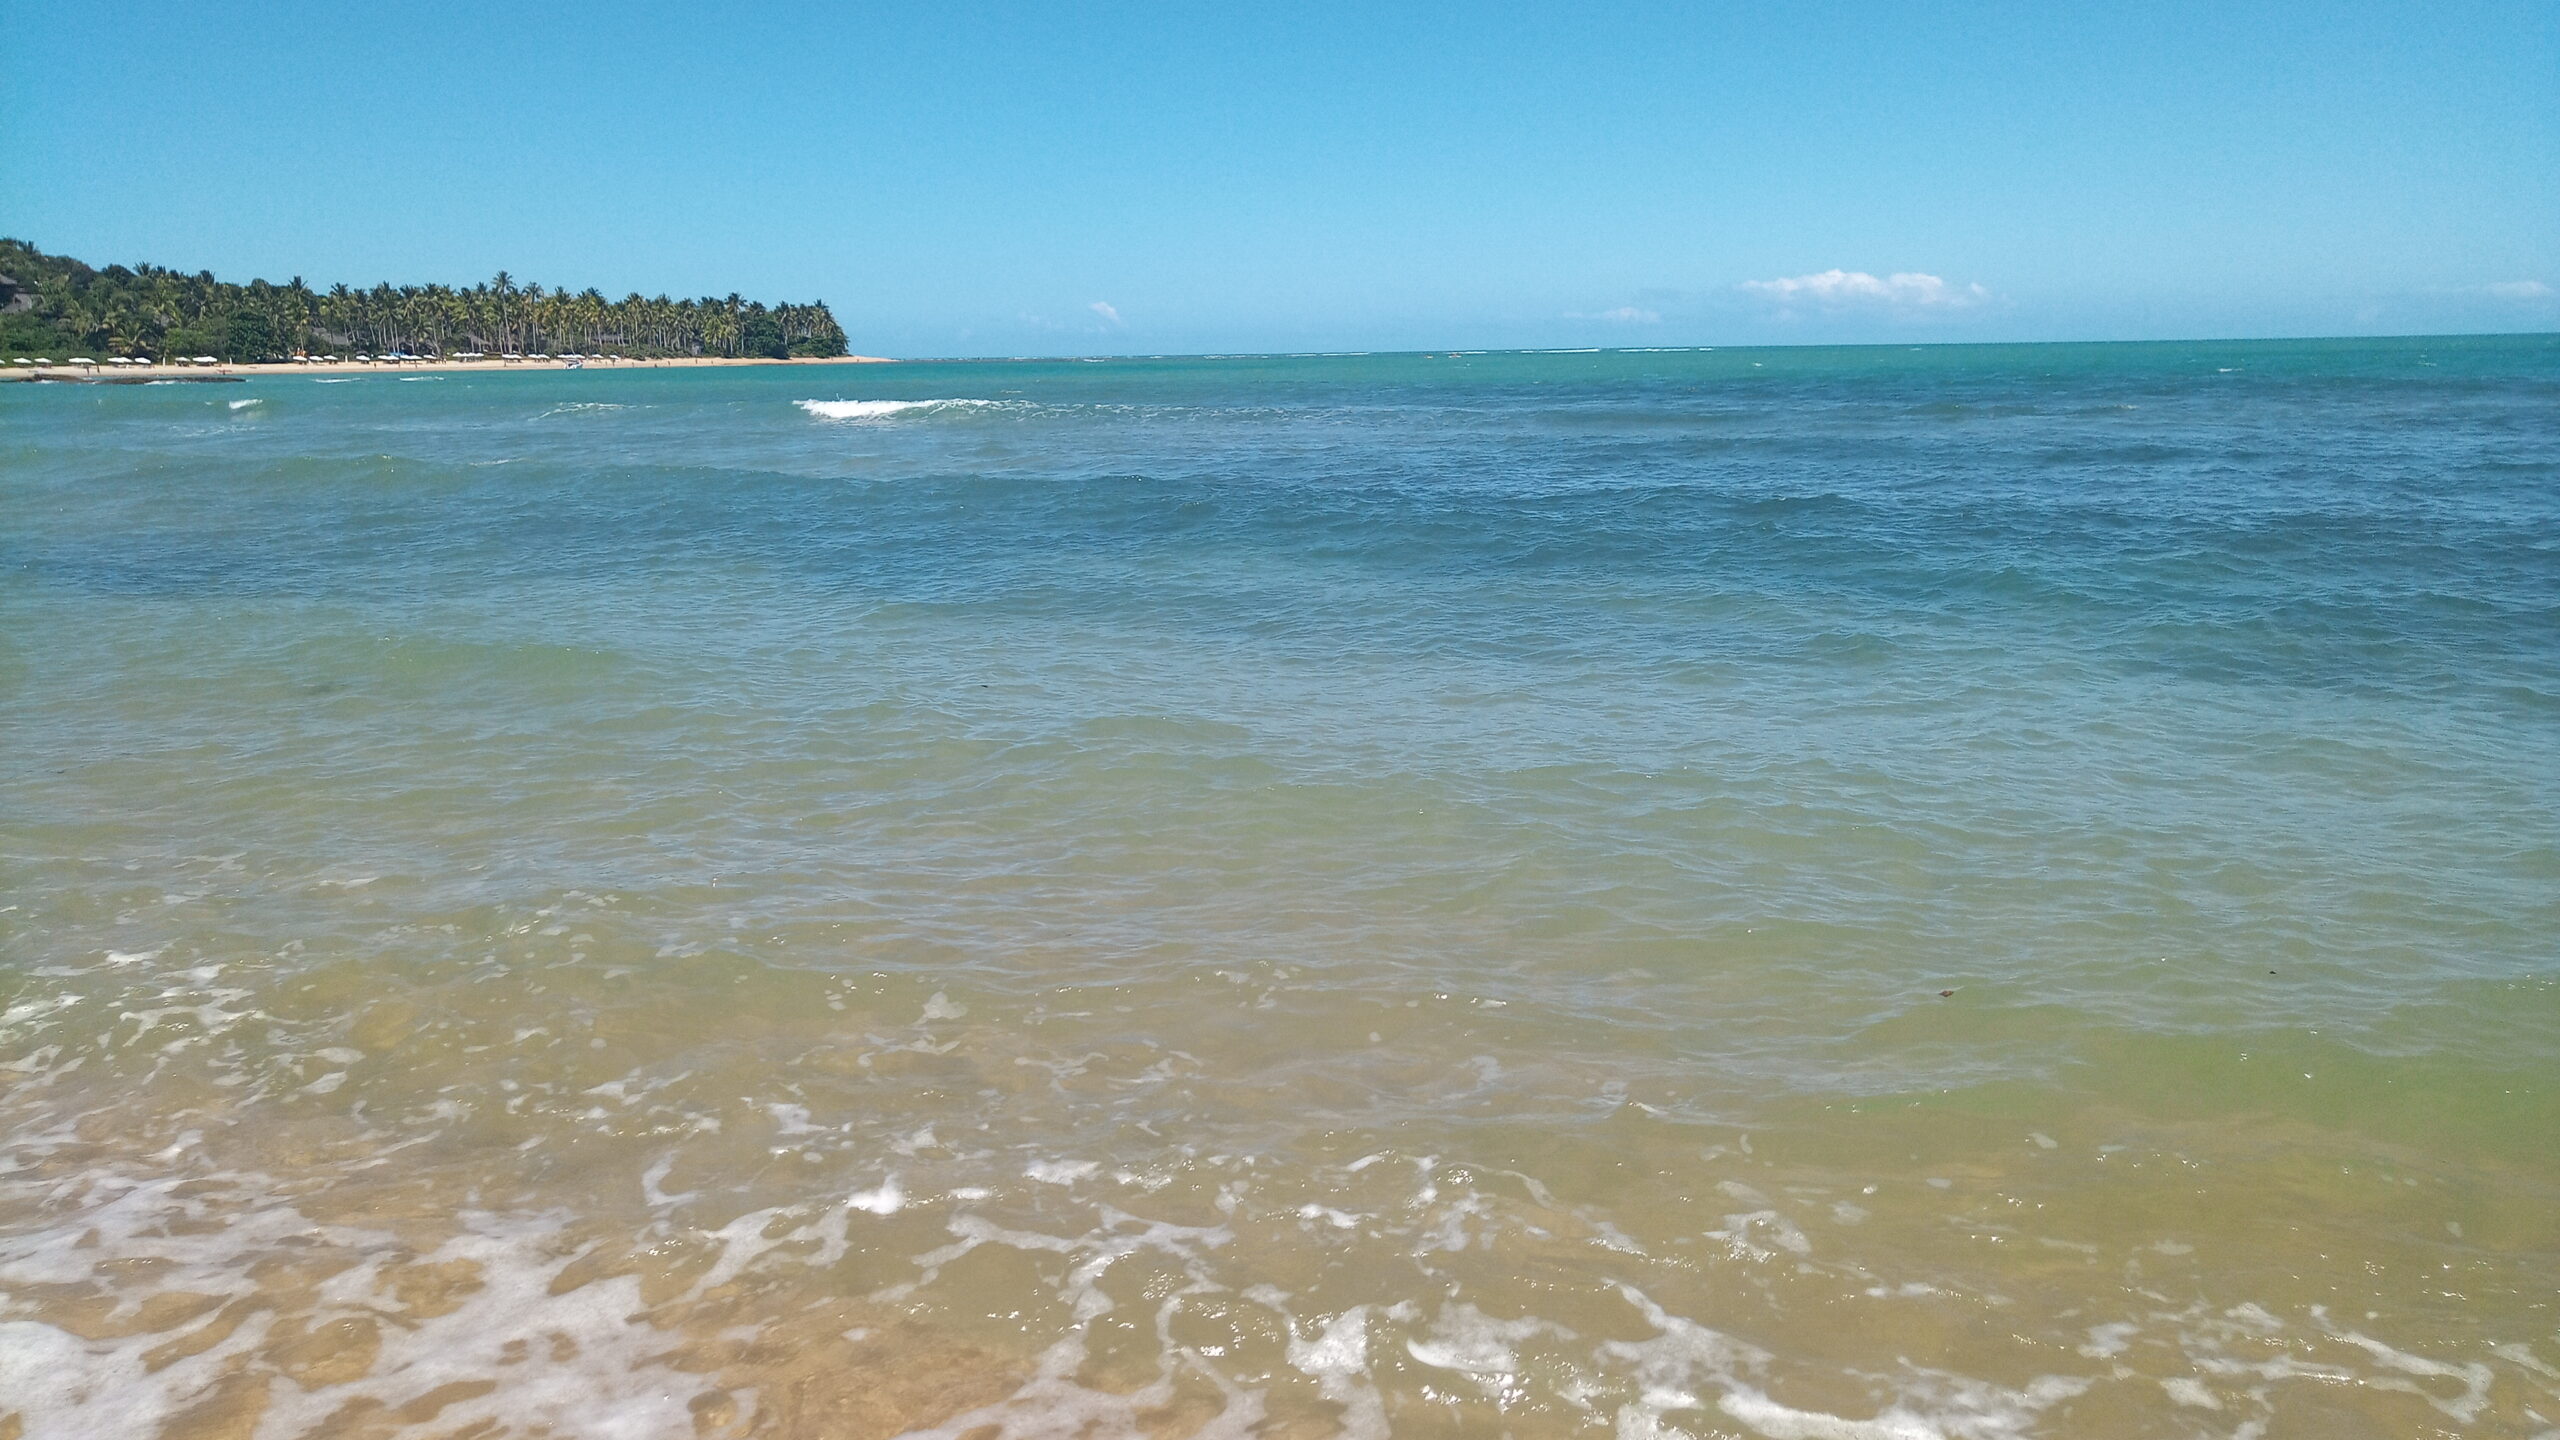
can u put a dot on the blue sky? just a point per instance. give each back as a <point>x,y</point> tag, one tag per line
<point>1020,179</point>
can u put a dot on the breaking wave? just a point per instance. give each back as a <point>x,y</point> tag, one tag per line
<point>887,409</point>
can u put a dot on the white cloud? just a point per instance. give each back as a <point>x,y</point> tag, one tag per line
<point>2519,290</point>
<point>1104,309</point>
<point>1844,289</point>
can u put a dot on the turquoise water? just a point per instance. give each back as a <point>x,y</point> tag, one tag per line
<point>1962,892</point>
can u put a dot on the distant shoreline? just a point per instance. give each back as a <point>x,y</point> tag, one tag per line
<point>142,373</point>
<point>58,373</point>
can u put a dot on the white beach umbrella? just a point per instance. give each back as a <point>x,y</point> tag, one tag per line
<point>22,360</point>
<point>79,360</point>
<point>118,360</point>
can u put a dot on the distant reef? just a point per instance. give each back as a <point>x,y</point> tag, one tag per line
<point>52,305</point>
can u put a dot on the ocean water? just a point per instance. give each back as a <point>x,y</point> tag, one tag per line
<point>1860,894</point>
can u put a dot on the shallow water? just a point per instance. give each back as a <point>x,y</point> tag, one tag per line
<point>1965,893</point>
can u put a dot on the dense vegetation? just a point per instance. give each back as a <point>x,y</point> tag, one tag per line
<point>54,306</point>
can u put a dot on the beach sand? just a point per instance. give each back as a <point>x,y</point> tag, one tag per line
<point>374,367</point>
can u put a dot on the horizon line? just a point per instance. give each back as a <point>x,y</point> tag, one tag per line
<point>1464,350</point>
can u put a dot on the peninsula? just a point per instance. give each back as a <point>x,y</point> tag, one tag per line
<point>63,319</point>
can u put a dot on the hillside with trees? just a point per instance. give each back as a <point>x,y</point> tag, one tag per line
<point>52,305</point>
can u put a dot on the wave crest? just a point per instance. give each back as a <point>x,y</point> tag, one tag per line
<point>885,409</point>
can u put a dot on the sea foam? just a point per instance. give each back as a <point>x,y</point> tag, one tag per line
<point>886,409</point>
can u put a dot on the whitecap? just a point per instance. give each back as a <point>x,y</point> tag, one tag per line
<point>885,409</point>
<point>245,404</point>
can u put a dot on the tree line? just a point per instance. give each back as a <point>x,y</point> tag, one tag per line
<point>55,306</point>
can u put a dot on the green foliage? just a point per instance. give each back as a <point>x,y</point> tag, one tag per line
<point>26,335</point>
<point>54,305</point>
<point>186,344</point>
<point>760,336</point>
<point>249,333</point>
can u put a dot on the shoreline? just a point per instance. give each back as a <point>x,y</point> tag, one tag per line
<point>91,374</point>
<point>137,373</point>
